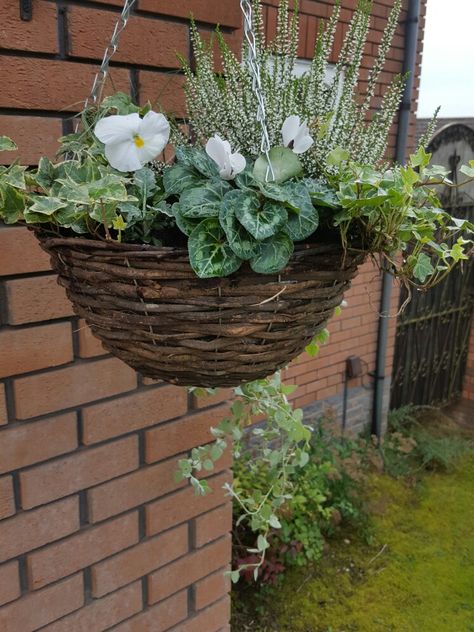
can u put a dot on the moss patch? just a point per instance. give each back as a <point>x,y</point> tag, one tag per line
<point>418,575</point>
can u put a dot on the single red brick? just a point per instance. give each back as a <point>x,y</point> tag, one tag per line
<point>61,477</point>
<point>171,438</point>
<point>9,582</point>
<point>35,136</point>
<point>211,588</point>
<point>212,619</point>
<point>213,525</point>
<point>31,529</point>
<point>211,11</point>
<point>131,490</point>
<point>132,412</point>
<point>45,84</point>
<point>102,613</point>
<point>160,618</point>
<point>81,550</point>
<point>40,608</point>
<point>184,504</point>
<point>138,43</point>
<point>7,498</point>
<point>38,298</point>
<point>28,443</point>
<point>89,345</point>
<point>65,388</point>
<point>33,348</point>
<point>165,91</point>
<point>188,570</point>
<point>38,35</point>
<point>138,561</point>
<point>3,406</point>
<point>19,249</point>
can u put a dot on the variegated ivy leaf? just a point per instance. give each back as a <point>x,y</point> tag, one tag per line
<point>273,254</point>
<point>260,221</point>
<point>15,177</point>
<point>240,240</point>
<point>12,204</point>
<point>423,267</point>
<point>6,144</point>
<point>203,201</point>
<point>209,253</point>
<point>303,218</point>
<point>47,205</point>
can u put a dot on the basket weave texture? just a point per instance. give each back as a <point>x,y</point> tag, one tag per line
<point>149,309</point>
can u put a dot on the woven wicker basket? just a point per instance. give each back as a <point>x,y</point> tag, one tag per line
<point>149,309</point>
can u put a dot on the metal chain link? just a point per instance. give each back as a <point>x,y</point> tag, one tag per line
<point>254,65</point>
<point>101,75</point>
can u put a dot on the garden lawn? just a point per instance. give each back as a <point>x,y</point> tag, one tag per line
<point>417,574</point>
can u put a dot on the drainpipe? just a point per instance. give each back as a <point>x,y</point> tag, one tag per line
<point>409,66</point>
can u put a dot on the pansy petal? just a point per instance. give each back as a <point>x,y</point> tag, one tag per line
<point>215,149</point>
<point>117,128</point>
<point>290,129</point>
<point>238,163</point>
<point>123,156</point>
<point>154,124</point>
<point>152,147</point>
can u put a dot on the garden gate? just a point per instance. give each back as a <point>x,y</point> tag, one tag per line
<point>433,331</point>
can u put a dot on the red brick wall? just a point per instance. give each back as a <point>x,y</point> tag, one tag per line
<point>468,391</point>
<point>94,532</point>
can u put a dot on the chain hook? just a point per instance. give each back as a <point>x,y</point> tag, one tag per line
<point>254,66</point>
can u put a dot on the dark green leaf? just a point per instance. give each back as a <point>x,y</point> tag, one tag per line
<point>184,224</point>
<point>303,218</point>
<point>179,177</point>
<point>272,191</point>
<point>321,193</point>
<point>285,163</point>
<point>203,201</point>
<point>261,222</point>
<point>209,253</point>
<point>145,182</point>
<point>245,179</point>
<point>241,242</point>
<point>274,253</point>
<point>198,159</point>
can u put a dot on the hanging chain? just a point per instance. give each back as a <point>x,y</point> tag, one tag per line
<point>254,65</point>
<point>101,75</point>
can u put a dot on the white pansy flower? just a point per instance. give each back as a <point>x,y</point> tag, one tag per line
<point>230,164</point>
<point>296,134</point>
<point>130,141</point>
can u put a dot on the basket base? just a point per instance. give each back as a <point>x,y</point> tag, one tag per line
<point>150,310</point>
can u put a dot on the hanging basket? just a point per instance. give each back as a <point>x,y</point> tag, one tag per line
<point>149,309</point>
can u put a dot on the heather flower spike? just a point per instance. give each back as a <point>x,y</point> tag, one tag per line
<point>229,164</point>
<point>130,141</point>
<point>296,134</point>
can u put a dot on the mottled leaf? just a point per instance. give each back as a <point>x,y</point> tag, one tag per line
<point>303,218</point>
<point>274,253</point>
<point>240,240</point>
<point>47,205</point>
<point>179,177</point>
<point>203,201</point>
<point>260,221</point>
<point>209,253</point>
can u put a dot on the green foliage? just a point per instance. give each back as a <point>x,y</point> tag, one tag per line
<point>285,165</point>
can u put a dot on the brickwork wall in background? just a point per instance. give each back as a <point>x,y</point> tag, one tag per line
<point>95,534</point>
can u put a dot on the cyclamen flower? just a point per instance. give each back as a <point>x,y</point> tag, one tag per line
<point>230,164</point>
<point>296,134</point>
<point>130,141</point>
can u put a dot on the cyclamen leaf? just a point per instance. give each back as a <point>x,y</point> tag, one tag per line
<point>273,254</point>
<point>184,224</point>
<point>145,181</point>
<point>321,193</point>
<point>260,222</point>
<point>285,163</point>
<point>303,219</point>
<point>240,240</point>
<point>203,201</point>
<point>179,178</point>
<point>197,159</point>
<point>209,253</point>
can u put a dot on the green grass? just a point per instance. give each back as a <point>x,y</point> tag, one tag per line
<point>417,574</point>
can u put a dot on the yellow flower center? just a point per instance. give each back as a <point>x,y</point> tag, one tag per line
<point>138,140</point>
